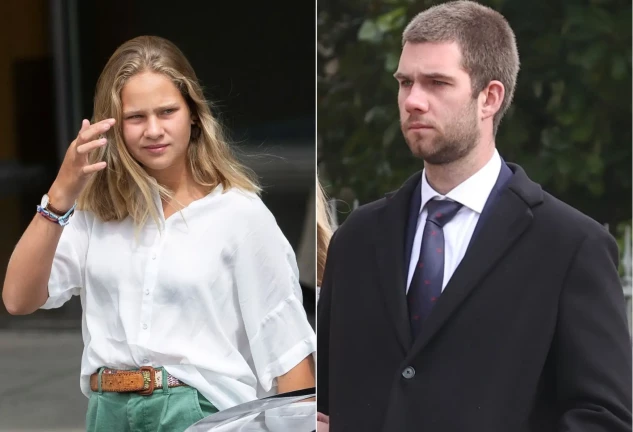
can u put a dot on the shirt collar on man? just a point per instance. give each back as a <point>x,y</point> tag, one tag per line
<point>473,192</point>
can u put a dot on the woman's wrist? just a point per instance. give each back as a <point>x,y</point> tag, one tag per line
<point>59,201</point>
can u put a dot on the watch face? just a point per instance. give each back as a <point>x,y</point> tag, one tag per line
<point>44,202</point>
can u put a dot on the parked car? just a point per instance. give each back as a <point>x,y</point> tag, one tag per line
<point>287,412</point>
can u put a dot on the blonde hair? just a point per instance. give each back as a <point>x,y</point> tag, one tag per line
<point>486,40</point>
<point>324,232</point>
<point>124,188</point>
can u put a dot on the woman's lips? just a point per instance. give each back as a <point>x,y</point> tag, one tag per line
<point>156,149</point>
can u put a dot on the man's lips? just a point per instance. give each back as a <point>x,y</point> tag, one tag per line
<point>417,125</point>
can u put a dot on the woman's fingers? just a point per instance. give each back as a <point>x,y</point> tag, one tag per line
<point>86,143</point>
<point>93,131</point>
<point>89,169</point>
<point>323,427</point>
<point>84,125</point>
<point>323,418</point>
<point>88,147</point>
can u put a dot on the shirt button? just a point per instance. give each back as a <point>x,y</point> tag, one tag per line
<point>154,256</point>
<point>144,326</point>
<point>145,361</point>
<point>146,292</point>
<point>408,372</point>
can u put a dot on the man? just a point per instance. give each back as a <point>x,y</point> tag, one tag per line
<point>470,300</point>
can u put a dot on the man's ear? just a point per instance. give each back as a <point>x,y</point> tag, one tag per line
<point>491,99</point>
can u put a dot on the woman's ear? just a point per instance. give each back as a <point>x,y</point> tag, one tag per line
<point>195,129</point>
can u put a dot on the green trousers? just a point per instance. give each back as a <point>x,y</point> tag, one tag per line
<point>166,410</point>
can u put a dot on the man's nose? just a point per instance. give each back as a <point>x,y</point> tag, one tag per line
<point>417,100</point>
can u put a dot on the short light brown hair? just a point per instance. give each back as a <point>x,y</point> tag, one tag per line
<point>487,43</point>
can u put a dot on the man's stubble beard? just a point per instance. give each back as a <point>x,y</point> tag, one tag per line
<point>460,137</point>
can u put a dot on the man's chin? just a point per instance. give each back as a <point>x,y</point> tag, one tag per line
<point>438,160</point>
<point>433,156</point>
<point>424,149</point>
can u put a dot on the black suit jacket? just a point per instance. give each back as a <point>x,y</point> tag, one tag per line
<point>530,333</point>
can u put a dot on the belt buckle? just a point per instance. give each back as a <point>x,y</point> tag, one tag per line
<point>152,381</point>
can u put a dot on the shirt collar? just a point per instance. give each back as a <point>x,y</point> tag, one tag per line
<point>472,192</point>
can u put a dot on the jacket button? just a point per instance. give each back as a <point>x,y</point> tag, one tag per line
<point>408,372</point>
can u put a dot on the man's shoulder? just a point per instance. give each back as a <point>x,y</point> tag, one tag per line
<point>359,224</point>
<point>567,220</point>
<point>371,214</point>
<point>564,222</point>
<point>366,213</point>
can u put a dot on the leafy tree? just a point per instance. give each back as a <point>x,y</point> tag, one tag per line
<point>569,125</point>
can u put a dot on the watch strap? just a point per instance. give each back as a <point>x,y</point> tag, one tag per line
<point>62,220</point>
<point>52,209</point>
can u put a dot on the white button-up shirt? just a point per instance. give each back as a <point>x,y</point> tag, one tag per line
<point>472,194</point>
<point>214,298</point>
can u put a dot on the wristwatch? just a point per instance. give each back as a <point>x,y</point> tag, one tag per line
<point>52,214</point>
<point>46,205</point>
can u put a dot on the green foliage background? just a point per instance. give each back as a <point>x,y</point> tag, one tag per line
<point>569,125</point>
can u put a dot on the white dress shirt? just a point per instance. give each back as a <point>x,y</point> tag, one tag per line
<point>215,298</point>
<point>472,194</point>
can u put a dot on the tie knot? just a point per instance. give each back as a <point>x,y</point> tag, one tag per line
<point>441,212</point>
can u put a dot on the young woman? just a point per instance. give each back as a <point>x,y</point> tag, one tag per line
<point>190,293</point>
<point>324,233</point>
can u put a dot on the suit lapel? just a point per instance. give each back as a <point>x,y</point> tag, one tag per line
<point>509,216</point>
<point>415,202</point>
<point>390,233</point>
<point>505,174</point>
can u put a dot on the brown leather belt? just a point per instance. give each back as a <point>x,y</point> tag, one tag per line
<point>143,381</point>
